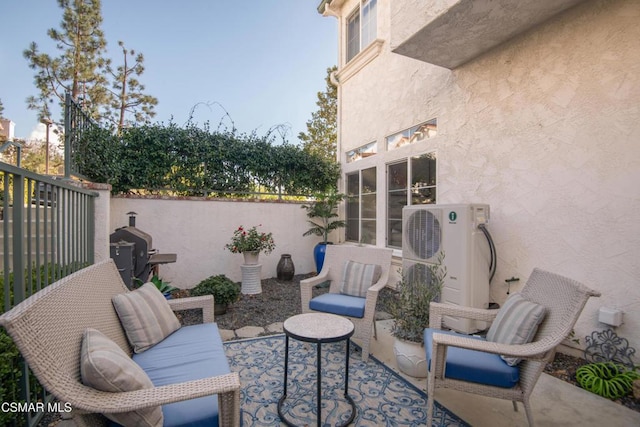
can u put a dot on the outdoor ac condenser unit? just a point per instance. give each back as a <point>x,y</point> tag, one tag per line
<point>428,230</point>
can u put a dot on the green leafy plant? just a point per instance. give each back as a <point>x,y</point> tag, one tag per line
<point>323,209</point>
<point>10,374</point>
<point>607,379</point>
<point>223,289</point>
<point>164,287</point>
<point>249,240</point>
<point>194,161</point>
<point>10,359</point>
<point>418,287</point>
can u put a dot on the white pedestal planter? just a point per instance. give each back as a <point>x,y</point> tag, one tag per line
<point>251,279</point>
<point>411,358</point>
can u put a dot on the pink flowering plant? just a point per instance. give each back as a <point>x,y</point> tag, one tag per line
<point>249,240</point>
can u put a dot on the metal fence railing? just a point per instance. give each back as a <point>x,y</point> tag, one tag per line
<point>76,122</point>
<point>47,232</point>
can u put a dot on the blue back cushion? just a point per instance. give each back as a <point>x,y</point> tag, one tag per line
<point>190,353</point>
<point>340,304</point>
<point>472,365</point>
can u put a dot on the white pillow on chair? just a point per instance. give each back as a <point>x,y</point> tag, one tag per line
<point>106,367</point>
<point>145,316</point>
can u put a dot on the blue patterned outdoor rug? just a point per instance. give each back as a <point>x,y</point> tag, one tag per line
<point>382,397</point>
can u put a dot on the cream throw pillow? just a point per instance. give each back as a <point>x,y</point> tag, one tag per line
<point>106,367</point>
<point>145,316</point>
<point>357,278</point>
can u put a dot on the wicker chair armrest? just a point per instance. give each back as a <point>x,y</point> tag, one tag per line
<point>376,287</point>
<point>95,401</point>
<point>306,288</point>
<point>437,310</point>
<point>315,280</point>
<point>534,350</point>
<point>204,302</point>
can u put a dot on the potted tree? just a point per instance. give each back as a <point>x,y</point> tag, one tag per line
<point>420,284</point>
<point>322,212</point>
<point>223,289</point>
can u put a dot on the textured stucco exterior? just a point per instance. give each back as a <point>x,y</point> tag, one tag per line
<point>545,128</point>
<point>197,231</point>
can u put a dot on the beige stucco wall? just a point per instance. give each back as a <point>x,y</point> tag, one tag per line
<point>197,231</point>
<point>545,128</point>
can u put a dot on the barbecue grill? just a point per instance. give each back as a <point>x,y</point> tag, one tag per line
<point>131,250</point>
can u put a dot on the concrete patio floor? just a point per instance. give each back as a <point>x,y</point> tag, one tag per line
<point>555,402</point>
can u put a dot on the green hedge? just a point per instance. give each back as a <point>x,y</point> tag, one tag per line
<point>191,161</point>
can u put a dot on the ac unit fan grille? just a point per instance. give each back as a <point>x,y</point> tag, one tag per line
<point>423,234</point>
<point>416,276</point>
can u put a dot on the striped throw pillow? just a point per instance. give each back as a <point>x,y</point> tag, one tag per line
<point>106,367</point>
<point>357,278</point>
<point>516,323</point>
<point>145,316</point>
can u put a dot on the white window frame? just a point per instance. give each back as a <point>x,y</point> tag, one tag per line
<point>409,188</point>
<point>359,199</point>
<point>365,17</point>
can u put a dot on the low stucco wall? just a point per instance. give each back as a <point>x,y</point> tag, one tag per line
<point>197,231</point>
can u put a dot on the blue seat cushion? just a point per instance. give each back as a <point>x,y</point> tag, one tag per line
<point>190,353</point>
<point>343,305</point>
<point>471,365</point>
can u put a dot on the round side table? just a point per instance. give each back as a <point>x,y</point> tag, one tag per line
<point>318,328</point>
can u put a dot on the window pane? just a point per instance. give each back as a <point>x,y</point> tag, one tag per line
<point>367,150</point>
<point>412,135</point>
<point>353,35</point>
<point>352,230</point>
<point>353,208</point>
<point>368,232</point>
<point>369,22</point>
<point>368,206</point>
<point>423,196</point>
<point>353,184</point>
<point>397,176</point>
<point>361,206</point>
<point>394,233</point>
<point>369,180</point>
<point>397,200</point>
<point>423,170</point>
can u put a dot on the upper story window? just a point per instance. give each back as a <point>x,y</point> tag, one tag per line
<point>361,27</point>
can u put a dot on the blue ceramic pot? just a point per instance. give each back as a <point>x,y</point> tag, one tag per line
<point>318,255</point>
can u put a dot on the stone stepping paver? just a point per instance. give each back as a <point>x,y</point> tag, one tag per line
<point>227,334</point>
<point>249,331</point>
<point>275,327</point>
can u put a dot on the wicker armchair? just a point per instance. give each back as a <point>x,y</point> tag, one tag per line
<point>47,328</point>
<point>332,270</point>
<point>564,300</point>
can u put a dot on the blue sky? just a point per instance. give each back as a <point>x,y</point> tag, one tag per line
<point>263,61</point>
